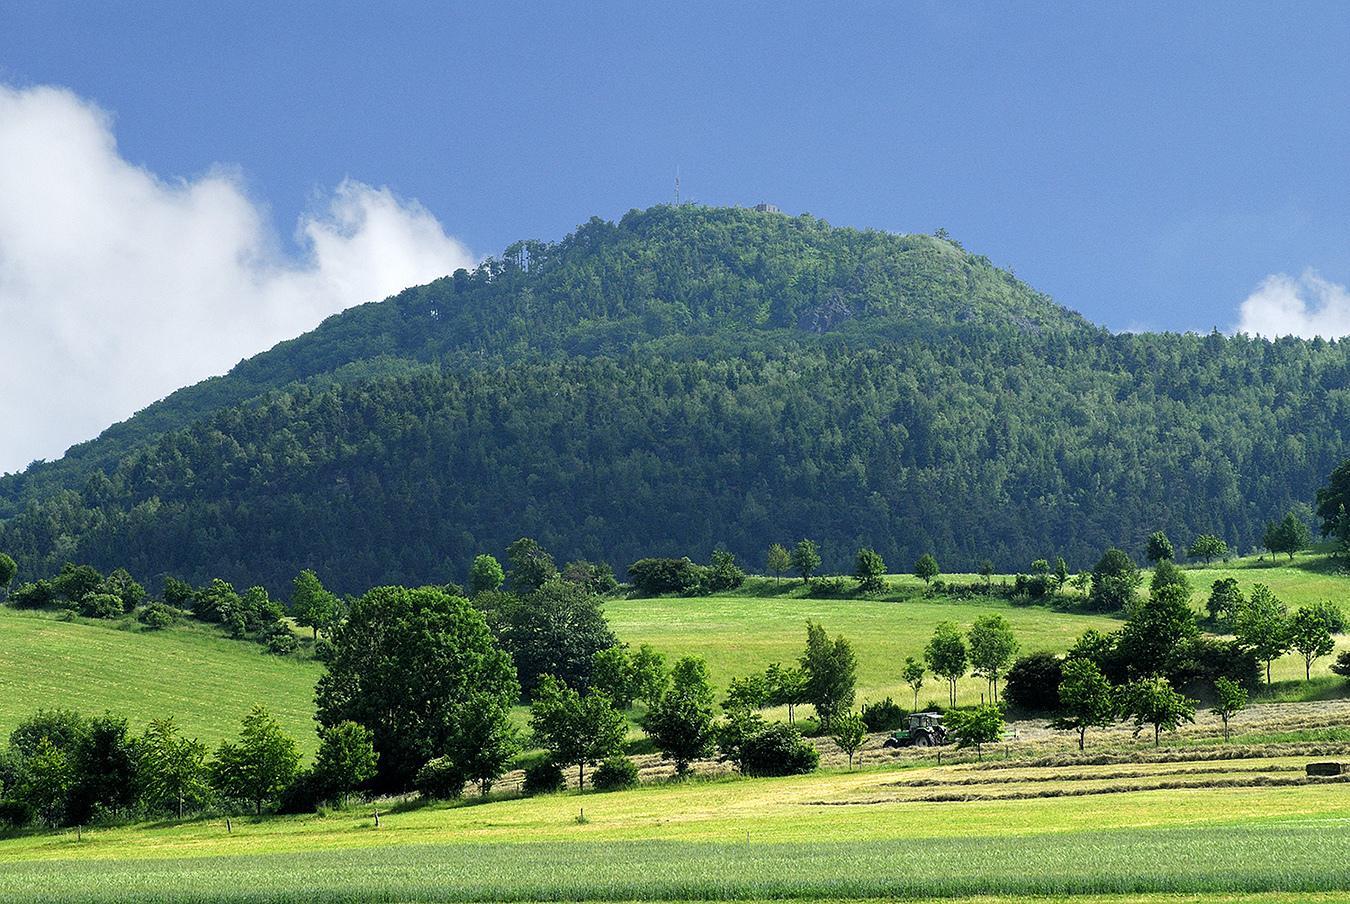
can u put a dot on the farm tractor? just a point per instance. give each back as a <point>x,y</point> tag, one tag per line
<point>924,730</point>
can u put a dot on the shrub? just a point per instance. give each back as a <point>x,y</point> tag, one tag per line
<point>157,615</point>
<point>618,773</point>
<point>1032,683</point>
<point>15,813</point>
<point>1342,664</point>
<point>303,795</point>
<point>723,573</point>
<point>777,750</point>
<point>441,779</point>
<point>324,649</point>
<point>831,587</point>
<point>279,639</point>
<point>654,577</point>
<point>100,605</point>
<point>37,595</point>
<point>1197,663</point>
<point>886,715</point>
<point>543,777</point>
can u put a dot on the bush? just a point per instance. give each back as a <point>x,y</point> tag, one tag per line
<point>303,795</point>
<point>157,615</point>
<point>777,750</point>
<point>654,577</point>
<point>15,813</point>
<point>100,605</point>
<point>618,773</point>
<point>1197,663</point>
<point>323,649</point>
<point>722,574</point>
<point>1342,664</point>
<point>543,777</point>
<point>884,716</point>
<point>279,639</point>
<point>440,779</point>
<point>831,587</point>
<point>37,595</point>
<point>1032,683</point>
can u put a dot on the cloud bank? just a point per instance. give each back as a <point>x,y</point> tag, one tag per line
<point>1305,306</point>
<point>118,286</point>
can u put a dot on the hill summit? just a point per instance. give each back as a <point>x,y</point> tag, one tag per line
<point>691,378</point>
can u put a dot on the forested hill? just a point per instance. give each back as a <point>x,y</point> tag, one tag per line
<point>687,378</point>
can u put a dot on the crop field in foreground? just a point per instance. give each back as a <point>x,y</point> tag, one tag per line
<point>1212,828</point>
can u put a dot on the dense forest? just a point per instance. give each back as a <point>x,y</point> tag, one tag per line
<point>687,379</point>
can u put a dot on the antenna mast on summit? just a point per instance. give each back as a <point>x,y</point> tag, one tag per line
<point>677,186</point>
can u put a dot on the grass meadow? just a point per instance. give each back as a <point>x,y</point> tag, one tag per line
<point>741,634</point>
<point>206,681</point>
<point>1196,823</point>
<point>877,833</point>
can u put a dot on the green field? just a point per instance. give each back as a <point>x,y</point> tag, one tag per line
<point>868,834</point>
<point>207,682</point>
<point>741,634</point>
<point>1193,831</point>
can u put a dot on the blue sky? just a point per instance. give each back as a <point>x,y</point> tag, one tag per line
<point>1149,165</point>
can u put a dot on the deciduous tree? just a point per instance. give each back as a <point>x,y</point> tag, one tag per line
<point>805,559</point>
<point>1085,699</point>
<point>1153,701</point>
<point>869,570</point>
<point>259,766</point>
<point>681,722</point>
<point>948,656</point>
<point>407,664</point>
<point>486,574</point>
<point>848,733</point>
<point>992,648</point>
<point>576,730</point>
<point>1262,624</point>
<point>1229,698</point>
<point>346,758</point>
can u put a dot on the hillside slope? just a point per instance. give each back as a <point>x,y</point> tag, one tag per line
<point>692,378</point>
<point>206,682</point>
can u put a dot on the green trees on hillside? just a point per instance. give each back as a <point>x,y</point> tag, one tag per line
<point>948,656</point>
<point>259,766</point>
<point>831,669</point>
<point>729,448</point>
<point>575,729</point>
<point>411,665</point>
<point>805,559</point>
<point>1288,536</point>
<point>869,569</point>
<point>926,568</point>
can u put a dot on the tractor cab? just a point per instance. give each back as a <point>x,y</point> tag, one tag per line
<point>922,730</point>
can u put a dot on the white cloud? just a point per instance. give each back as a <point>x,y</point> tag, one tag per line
<point>1305,306</point>
<point>117,286</point>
